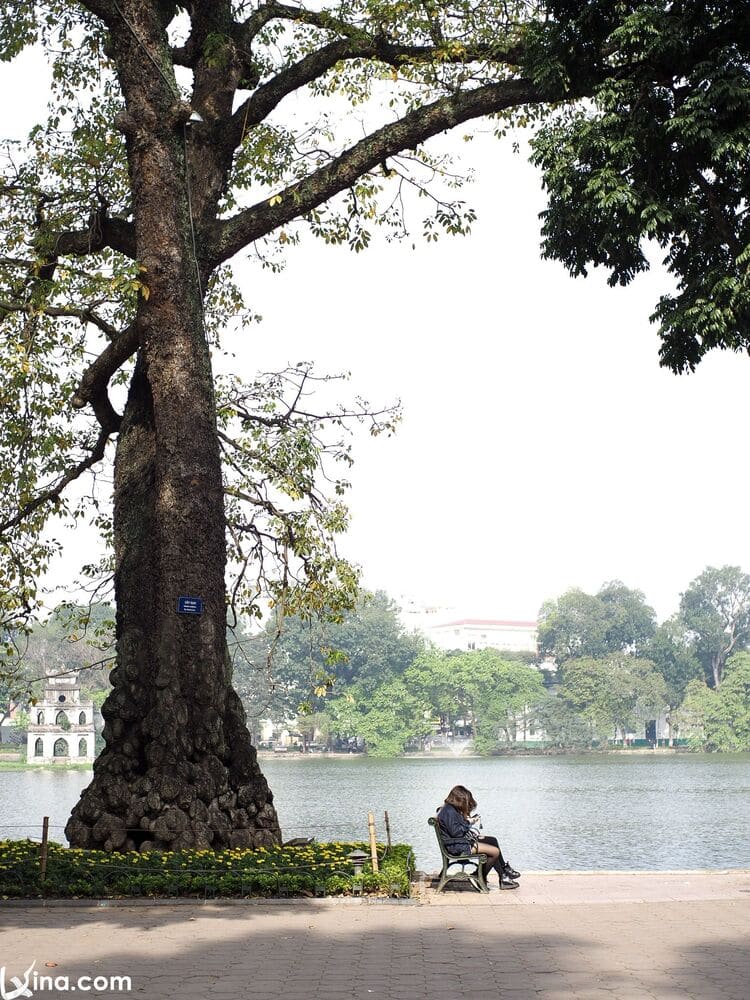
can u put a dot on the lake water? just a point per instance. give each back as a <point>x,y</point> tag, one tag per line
<point>610,812</point>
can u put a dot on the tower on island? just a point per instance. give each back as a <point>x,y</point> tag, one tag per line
<point>61,727</point>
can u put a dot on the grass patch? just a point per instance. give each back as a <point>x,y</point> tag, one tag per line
<point>311,870</point>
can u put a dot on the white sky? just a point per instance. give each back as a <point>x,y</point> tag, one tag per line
<point>542,447</point>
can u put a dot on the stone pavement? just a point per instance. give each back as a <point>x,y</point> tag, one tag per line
<point>559,937</point>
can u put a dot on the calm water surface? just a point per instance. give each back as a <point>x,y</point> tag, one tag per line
<point>613,812</point>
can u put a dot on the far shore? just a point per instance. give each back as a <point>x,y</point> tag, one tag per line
<point>464,755</point>
<point>13,762</point>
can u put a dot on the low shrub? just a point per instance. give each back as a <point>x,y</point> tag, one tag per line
<point>317,869</point>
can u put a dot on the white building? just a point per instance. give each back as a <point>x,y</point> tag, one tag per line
<point>418,617</point>
<point>484,633</point>
<point>61,727</point>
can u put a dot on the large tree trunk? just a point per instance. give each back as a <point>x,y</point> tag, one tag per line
<point>178,769</point>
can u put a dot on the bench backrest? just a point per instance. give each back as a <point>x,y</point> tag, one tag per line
<point>439,834</point>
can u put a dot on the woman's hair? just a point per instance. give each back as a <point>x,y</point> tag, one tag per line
<point>462,799</point>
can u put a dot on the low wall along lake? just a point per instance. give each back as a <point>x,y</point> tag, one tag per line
<point>615,811</point>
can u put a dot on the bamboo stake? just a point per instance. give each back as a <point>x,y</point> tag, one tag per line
<point>373,846</point>
<point>387,830</point>
<point>43,852</point>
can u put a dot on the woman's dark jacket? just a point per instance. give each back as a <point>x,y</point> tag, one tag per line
<point>455,830</point>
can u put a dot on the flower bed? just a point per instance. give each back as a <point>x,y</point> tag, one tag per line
<point>311,870</point>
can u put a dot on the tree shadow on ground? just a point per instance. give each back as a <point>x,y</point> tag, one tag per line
<point>306,950</point>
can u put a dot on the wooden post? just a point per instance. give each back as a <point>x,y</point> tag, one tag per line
<point>387,830</point>
<point>43,852</point>
<point>373,845</point>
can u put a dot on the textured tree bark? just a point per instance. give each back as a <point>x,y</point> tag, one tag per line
<point>179,769</point>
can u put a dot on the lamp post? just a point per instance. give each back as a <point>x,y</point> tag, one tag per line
<point>358,859</point>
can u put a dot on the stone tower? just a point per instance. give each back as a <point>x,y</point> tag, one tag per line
<point>61,727</point>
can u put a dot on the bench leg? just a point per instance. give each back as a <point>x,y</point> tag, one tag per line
<point>478,879</point>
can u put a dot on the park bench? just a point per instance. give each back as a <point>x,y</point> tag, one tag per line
<point>462,861</point>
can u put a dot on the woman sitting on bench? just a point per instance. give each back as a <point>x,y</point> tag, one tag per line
<point>462,835</point>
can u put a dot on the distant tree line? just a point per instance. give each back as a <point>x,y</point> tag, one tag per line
<point>607,667</point>
<point>604,667</point>
<point>615,664</point>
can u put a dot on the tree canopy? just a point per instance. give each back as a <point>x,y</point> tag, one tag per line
<point>719,719</point>
<point>658,161</point>
<point>294,665</point>
<point>715,611</point>
<point>614,693</point>
<point>614,620</point>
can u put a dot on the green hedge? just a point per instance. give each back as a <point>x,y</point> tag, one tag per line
<point>312,870</point>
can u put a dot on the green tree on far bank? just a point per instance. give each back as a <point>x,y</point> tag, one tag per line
<point>509,700</point>
<point>563,726</point>
<point>673,655</point>
<point>580,625</point>
<point>386,718</point>
<point>715,610</point>
<point>296,665</point>
<point>719,719</point>
<point>484,689</point>
<point>614,694</point>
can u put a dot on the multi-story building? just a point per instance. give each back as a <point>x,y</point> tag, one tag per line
<point>484,633</point>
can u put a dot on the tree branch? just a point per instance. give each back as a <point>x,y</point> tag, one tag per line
<point>118,234</point>
<point>85,314</point>
<point>93,388</point>
<point>237,232</point>
<point>316,64</point>
<point>93,385</point>
<point>54,492</point>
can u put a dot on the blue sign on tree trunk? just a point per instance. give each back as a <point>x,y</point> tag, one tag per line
<point>189,605</point>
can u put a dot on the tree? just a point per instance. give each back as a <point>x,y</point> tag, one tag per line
<point>366,645</point>
<point>485,689</point>
<point>562,724</point>
<point>631,622</point>
<point>14,691</point>
<point>574,625</point>
<point>715,610</point>
<point>119,226</point>
<point>312,723</point>
<point>435,676</point>
<point>510,691</point>
<point>76,638</point>
<point>719,719</point>
<point>616,619</point>
<point>614,693</point>
<point>672,653</point>
<point>454,684</point>
<point>294,665</point>
<point>387,718</point>
<point>658,158</point>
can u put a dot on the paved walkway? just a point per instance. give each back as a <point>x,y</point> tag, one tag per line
<point>559,937</point>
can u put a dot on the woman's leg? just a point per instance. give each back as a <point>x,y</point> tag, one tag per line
<point>493,842</point>
<point>491,856</point>
<point>491,848</point>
